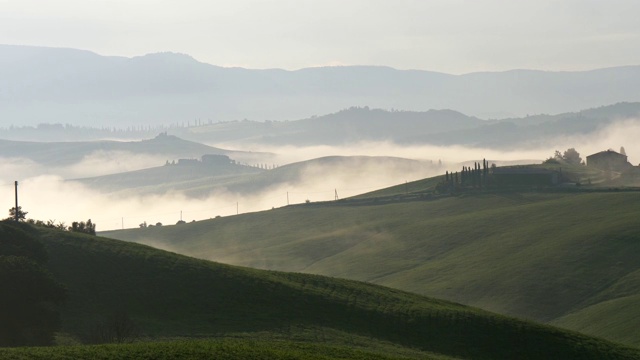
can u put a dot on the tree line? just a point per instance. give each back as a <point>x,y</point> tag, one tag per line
<point>475,177</point>
<point>19,215</point>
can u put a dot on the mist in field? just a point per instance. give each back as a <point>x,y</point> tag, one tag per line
<point>620,133</point>
<point>46,193</point>
<point>50,197</point>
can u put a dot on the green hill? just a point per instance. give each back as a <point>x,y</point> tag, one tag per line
<point>198,179</point>
<point>225,349</point>
<point>202,180</point>
<point>542,256</point>
<point>170,295</point>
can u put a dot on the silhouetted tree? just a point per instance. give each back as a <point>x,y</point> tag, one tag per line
<point>82,227</point>
<point>572,156</point>
<point>117,328</point>
<point>22,215</point>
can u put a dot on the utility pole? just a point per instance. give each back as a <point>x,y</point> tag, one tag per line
<point>17,214</point>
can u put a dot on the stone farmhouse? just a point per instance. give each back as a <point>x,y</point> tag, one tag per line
<point>609,160</point>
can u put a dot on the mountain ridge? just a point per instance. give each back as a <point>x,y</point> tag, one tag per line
<point>80,87</point>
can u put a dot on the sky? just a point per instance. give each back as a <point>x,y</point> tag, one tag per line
<point>450,36</point>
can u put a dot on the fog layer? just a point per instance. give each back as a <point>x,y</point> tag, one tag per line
<point>46,195</point>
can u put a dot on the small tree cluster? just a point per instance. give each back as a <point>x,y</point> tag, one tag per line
<point>48,224</point>
<point>87,227</point>
<point>21,216</point>
<point>570,156</point>
<point>476,177</point>
<point>82,227</point>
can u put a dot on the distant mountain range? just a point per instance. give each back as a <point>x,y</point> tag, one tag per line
<point>50,85</point>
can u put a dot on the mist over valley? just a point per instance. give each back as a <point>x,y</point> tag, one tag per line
<point>320,180</point>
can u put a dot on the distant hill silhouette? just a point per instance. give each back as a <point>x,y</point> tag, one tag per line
<point>438,127</point>
<point>49,85</point>
<point>66,153</point>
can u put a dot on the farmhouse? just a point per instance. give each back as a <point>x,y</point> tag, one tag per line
<point>609,161</point>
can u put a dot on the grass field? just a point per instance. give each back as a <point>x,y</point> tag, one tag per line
<point>565,257</point>
<point>173,296</point>
<point>225,349</point>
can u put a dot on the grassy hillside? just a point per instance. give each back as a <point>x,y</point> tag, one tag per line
<point>541,256</point>
<point>588,177</point>
<point>170,295</point>
<point>203,180</point>
<point>227,349</point>
<point>196,179</point>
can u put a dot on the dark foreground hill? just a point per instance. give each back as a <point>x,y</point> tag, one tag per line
<point>169,295</point>
<point>568,258</point>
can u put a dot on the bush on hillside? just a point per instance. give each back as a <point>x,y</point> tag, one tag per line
<point>570,156</point>
<point>118,328</point>
<point>21,216</point>
<point>82,227</point>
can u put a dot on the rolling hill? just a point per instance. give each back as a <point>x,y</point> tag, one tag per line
<point>202,180</point>
<point>67,153</point>
<point>435,127</point>
<point>568,258</point>
<point>194,179</point>
<point>349,126</point>
<point>170,295</point>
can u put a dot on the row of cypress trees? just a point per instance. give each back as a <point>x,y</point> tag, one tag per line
<point>476,177</point>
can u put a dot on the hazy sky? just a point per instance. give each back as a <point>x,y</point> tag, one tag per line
<point>451,36</point>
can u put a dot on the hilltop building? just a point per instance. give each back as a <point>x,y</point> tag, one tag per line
<point>609,161</point>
